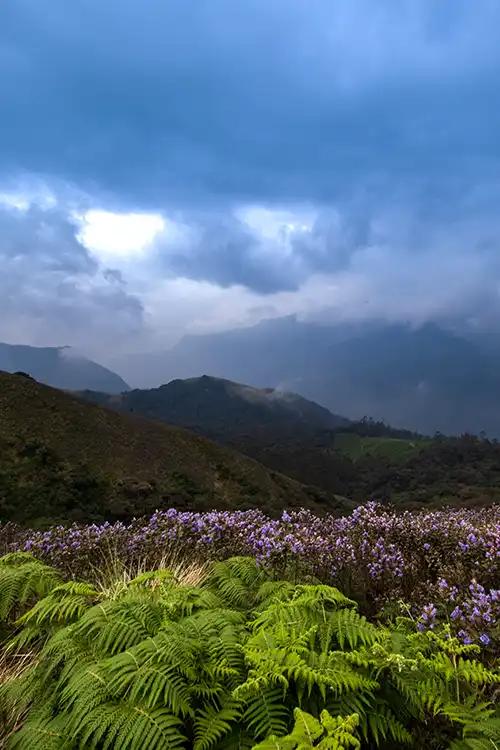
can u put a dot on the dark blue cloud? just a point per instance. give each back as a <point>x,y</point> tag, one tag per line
<point>225,250</point>
<point>192,100</point>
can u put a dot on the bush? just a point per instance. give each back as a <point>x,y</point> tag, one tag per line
<point>376,556</point>
<point>241,660</point>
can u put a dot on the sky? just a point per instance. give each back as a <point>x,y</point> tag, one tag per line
<point>177,166</point>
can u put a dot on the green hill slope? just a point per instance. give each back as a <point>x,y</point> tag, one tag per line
<point>224,410</point>
<point>357,447</point>
<point>63,458</point>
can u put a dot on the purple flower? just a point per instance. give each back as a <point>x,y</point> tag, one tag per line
<point>465,637</point>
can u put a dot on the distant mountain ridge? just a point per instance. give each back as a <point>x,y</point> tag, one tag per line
<point>423,378</point>
<point>225,410</point>
<point>60,367</point>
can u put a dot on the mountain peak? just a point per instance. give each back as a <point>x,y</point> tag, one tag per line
<point>225,409</point>
<point>59,366</point>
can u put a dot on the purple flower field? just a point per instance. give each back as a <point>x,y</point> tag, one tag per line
<point>438,567</point>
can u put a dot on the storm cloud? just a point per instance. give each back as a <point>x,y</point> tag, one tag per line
<point>335,160</point>
<point>51,286</point>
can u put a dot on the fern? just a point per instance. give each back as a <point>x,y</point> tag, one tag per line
<point>212,724</point>
<point>238,660</point>
<point>237,581</point>
<point>266,713</point>
<point>23,579</point>
<point>327,732</point>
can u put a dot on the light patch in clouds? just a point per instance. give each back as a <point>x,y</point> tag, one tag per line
<point>24,196</point>
<point>276,223</point>
<point>112,235</point>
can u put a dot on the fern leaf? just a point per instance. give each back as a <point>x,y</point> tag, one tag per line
<point>266,714</point>
<point>212,724</point>
<point>23,580</point>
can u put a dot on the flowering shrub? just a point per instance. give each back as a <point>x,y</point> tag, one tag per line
<point>472,611</point>
<point>444,564</point>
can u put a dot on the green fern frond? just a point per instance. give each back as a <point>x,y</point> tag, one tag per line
<point>126,726</point>
<point>236,581</point>
<point>186,600</point>
<point>42,734</point>
<point>347,626</point>
<point>116,625</point>
<point>266,713</point>
<point>212,724</point>
<point>23,580</point>
<point>153,579</point>
<point>151,681</point>
<point>333,733</point>
<point>63,605</point>
<point>270,591</point>
<point>381,724</point>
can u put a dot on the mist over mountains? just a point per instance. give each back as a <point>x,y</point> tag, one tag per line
<point>421,378</point>
<point>60,367</point>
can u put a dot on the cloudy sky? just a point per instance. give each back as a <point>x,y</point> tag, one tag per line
<point>192,165</point>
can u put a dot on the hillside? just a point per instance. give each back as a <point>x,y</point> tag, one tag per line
<point>60,367</point>
<point>298,438</point>
<point>407,472</point>
<point>225,410</point>
<point>62,458</point>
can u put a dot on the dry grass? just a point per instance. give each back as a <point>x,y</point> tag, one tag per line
<point>114,577</point>
<point>12,666</point>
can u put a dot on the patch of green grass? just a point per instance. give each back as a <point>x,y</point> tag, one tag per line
<point>396,449</point>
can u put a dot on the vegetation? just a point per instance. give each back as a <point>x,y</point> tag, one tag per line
<point>444,565</point>
<point>222,409</point>
<point>351,460</point>
<point>65,460</point>
<point>406,472</point>
<point>241,660</point>
<point>358,447</point>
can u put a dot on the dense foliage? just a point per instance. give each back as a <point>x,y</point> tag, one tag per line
<point>409,472</point>
<point>444,564</point>
<point>223,409</point>
<point>241,660</point>
<point>64,460</point>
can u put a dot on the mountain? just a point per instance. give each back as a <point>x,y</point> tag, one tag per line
<point>273,353</point>
<point>426,379</point>
<point>64,459</point>
<point>224,410</point>
<point>59,367</point>
<point>423,378</point>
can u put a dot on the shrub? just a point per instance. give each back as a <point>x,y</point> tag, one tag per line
<point>377,556</point>
<point>242,660</point>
